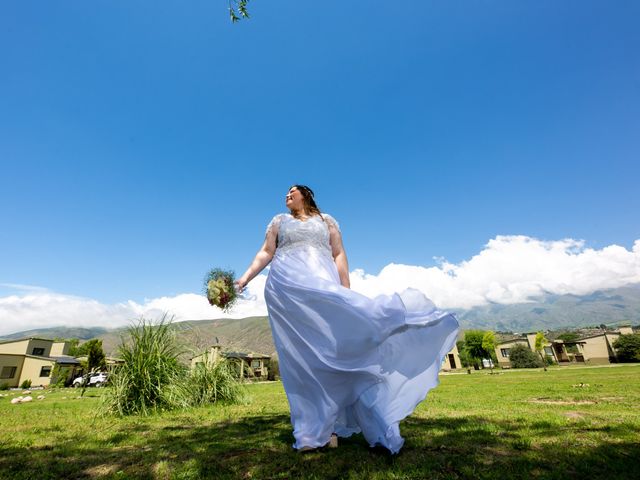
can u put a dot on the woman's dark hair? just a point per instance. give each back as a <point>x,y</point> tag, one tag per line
<point>310,206</point>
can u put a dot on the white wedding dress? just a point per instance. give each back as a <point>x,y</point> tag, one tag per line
<point>348,363</point>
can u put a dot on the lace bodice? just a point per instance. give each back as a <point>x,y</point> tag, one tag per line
<point>294,233</point>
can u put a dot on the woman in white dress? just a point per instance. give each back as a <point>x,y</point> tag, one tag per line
<point>348,363</point>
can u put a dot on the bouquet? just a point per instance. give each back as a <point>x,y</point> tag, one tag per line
<point>220,288</point>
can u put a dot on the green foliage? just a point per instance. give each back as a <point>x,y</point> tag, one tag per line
<point>207,383</point>
<point>628,348</point>
<point>473,344</point>
<point>489,344</point>
<point>96,360</point>
<point>150,368</point>
<point>26,384</point>
<point>465,358</point>
<point>59,376</point>
<point>539,347</point>
<point>82,349</point>
<point>521,356</point>
<point>152,379</point>
<point>274,369</point>
<point>540,342</point>
<point>238,9</point>
<point>4,386</point>
<point>74,347</point>
<point>568,336</point>
<point>478,344</point>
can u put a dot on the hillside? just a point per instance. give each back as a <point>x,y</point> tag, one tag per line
<point>550,312</point>
<point>58,332</point>
<point>554,312</point>
<point>246,334</point>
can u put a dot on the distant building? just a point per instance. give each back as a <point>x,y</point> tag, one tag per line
<point>247,364</point>
<point>34,359</point>
<point>594,349</point>
<point>451,360</point>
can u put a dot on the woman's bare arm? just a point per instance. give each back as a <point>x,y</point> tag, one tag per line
<point>261,260</point>
<point>339,255</point>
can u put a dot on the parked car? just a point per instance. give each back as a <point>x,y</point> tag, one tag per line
<point>97,379</point>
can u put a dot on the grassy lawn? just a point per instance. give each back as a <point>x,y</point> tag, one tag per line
<point>564,423</point>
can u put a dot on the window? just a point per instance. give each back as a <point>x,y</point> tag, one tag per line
<point>38,351</point>
<point>548,351</point>
<point>256,363</point>
<point>45,371</point>
<point>505,352</point>
<point>8,372</point>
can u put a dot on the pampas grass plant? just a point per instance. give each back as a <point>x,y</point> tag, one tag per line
<point>150,354</point>
<point>152,379</point>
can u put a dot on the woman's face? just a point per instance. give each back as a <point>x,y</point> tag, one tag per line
<point>294,199</point>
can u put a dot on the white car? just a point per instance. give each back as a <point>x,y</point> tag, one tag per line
<point>93,379</point>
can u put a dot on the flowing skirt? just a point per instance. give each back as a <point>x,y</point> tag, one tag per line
<point>350,363</point>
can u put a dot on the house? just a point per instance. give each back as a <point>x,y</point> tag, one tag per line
<point>593,349</point>
<point>210,357</point>
<point>34,359</point>
<point>451,360</point>
<point>503,349</point>
<point>247,364</point>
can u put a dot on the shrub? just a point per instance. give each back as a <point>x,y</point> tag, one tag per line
<point>274,369</point>
<point>522,357</point>
<point>150,367</point>
<point>26,384</point>
<point>628,348</point>
<point>4,386</point>
<point>207,383</point>
<point>152,379</point>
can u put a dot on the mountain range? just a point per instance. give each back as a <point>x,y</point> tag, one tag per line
<point>548,313</point>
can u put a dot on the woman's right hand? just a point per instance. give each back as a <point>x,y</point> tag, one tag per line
<point>240,284</point>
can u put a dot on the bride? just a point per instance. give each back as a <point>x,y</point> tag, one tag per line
<point>348,363</point>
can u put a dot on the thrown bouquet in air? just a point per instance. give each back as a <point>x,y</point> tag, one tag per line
<point>220,288</point>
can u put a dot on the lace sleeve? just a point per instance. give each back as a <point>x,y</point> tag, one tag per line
<point>274,223</point>
<point>331,222</point>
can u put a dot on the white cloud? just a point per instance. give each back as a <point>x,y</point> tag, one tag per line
<point>509,269</point>
<point>39,308</point>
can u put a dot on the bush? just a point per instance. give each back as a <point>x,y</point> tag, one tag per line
<point>628,348</point>
<point>207,383</point>
<point>274,369</point>
<point>4,386</point>
<point>152,379</point>
<point>522,357</point>
<point>141,384</point>
<point>26,384</point>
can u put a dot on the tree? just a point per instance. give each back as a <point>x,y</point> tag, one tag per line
<point>521,356</point>
<point>489,344</point>
<point>73,347</point>
<point>465,358</point>
<point>539,346</point>
<point>628,348</point>
<point>96,360</point>
<point>473,346</point>
<point>568,336</point>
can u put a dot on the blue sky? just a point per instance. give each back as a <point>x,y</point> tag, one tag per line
<point>143,142</point>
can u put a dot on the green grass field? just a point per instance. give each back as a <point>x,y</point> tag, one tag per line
<point>564,423</point>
